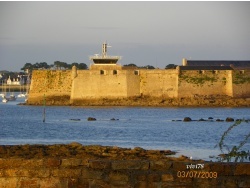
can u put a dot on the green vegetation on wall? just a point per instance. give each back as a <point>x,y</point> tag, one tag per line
<point>50,76</point>
<point>198,80</point>
<point>241,79</point>
<point>224,80</point>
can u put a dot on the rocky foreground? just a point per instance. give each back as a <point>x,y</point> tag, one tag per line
<point>76,150</point>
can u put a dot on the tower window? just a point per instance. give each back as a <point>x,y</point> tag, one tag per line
<point>114,72</point>
<point>136,72</point>
<point>102,72</point>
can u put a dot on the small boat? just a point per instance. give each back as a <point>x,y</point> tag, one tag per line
<point>11,98</point>
<point>4,100</point>
<point>21,95</point>
<point>2,95</point>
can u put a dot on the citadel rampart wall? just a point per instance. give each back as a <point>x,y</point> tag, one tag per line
<point>65,87</point>
<point>55,85</point>
<point>205,83</point>
<point>241,83</point>
<point>159,83</point>
<point>99,84</point>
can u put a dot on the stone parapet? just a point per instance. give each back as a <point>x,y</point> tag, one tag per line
<point>75,172</point>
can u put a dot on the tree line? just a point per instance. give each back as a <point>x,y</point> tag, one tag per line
<point>169,66</point>
<point>59,65</point>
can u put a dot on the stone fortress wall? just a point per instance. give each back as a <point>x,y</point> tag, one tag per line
<point>116,82</point>
<point>50,84</point>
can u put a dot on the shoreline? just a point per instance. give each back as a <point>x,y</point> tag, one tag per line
<point>77,150</point>
<point>145,102</point>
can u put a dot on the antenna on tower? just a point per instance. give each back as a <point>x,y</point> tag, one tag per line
<point>104,49</point>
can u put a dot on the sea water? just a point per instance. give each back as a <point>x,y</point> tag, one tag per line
<point>146,127</point>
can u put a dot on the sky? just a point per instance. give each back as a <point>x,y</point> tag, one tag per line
<point>143,33</point>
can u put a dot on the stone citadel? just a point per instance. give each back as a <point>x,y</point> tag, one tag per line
<point>107,80</point>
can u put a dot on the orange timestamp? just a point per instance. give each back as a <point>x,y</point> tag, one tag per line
<point>196,174</point>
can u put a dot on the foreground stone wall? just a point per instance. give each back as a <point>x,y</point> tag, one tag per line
<point>75,172</point>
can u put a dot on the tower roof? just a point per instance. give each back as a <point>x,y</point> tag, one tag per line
<point>104,58</point>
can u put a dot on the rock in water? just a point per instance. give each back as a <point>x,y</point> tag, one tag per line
<point>229,119</point>
<point>91,119</point>
<point>187,119</point>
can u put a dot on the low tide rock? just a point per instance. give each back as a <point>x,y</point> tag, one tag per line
<point>229,119</point>
<point>187,119</point>
<point>91,119</point>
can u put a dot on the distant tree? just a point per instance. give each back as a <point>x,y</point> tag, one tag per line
<point>171,66</point>
<point>80,66</point>
<point>60,65</point>
<point>130,65</point>
<point>148,67</point>
<point>44,65</point>
<point>28,66</point>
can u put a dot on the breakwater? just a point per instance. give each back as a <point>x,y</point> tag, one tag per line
<point>97,166</point>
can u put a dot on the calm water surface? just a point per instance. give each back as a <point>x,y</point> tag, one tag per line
<point>149,128</point>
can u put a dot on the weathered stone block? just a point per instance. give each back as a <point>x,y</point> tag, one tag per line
<point>119,165</point>
<point>98,164</point>
<point>66,173</point>
<point>1,173</point>
<point>92,174</point>
<point>141,184</point>
<point>71,162</point>
<point>154,177</point>
<point>160,165</point>
<point>242,169</point>
<point>244,183</point>
<point>229,169</point>
<point>154,185</point>
<point>10,163</point>
<point>98,183</point>
<point>142,177</point>
<point>116,176</point>
<point>16,173</point>
<point>52,182</point>
<point>8,182</point>
<point>119,184</point>
<point>52,162</point>
<point>167,177</point>
<point>29,183</point>
<point>40,173</point>
<point>230,182</point>
<point>27,173</point>
<point>221,168</point>
<point>180,166</point>
<point>205,182</point>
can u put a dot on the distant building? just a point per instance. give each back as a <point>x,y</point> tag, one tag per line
<point>14,81</point>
